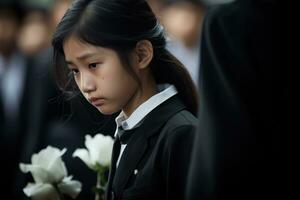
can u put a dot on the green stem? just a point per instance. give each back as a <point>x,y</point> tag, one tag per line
<point>98,186</point>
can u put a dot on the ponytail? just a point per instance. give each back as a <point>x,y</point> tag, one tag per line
<point>166,68</point>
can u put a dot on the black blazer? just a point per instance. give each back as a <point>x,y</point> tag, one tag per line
<point>159,151</point>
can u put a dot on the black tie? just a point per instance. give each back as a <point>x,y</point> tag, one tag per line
<point>124,135</point>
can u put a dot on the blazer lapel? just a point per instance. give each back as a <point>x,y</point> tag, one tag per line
<point>138,143</point>
<point>134,150</point>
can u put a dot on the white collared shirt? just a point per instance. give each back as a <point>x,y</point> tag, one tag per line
<point>166,91</point>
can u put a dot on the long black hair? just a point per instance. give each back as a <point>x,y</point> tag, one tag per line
<point>119,25</point>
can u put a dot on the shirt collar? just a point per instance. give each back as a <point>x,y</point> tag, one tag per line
<point>166,91</point>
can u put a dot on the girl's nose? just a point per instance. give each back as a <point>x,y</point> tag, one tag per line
<point>87,84</point>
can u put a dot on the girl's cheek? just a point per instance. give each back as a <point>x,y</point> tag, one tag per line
<point>105,86</point>
<point>78,84</point>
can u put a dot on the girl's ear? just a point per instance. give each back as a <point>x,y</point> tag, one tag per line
<point>144,52</point>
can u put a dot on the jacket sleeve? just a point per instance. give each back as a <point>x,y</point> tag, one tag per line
<point>175,160</point>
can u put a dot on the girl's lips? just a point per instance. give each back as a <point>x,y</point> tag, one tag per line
<point>97,101</point>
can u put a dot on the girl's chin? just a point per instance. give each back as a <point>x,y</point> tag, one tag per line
<point>106,111</point>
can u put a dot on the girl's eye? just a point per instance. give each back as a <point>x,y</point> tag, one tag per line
<point>93,65</point>
<point>75,71</point>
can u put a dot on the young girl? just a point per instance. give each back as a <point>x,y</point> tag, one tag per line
<point>113,51</point>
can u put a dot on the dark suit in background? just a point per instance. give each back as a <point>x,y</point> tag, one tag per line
<point>13,131</point>
<point>237,146</point>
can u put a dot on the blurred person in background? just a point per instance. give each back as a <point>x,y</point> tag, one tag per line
<point>57,11</point>
<point>183,22</point>
<point>34,33</point>
<point>24,91</point>
<point>16,88</point>
<point>244,99</point>
<point>157,7</point>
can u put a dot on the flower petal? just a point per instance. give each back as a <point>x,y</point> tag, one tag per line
<point>41,191</point>
<point>46,156</point>
<point>70,187</point>
<point>57,170</point>
<point>93,148</point>
<point>47,166</point>
<point>39,174</point>
<point>100,149</point>
<point>105,151</point>
<point>84,155</point>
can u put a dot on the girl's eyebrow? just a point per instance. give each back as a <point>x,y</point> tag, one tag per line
<point>85,56</point>
<point>82,57</point>
<point>69,62</point>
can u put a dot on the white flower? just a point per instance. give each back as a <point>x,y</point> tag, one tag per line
<point>70,187</point>
<point>49,171</point>
<point>39,191</point>
<point>47,166</point>
<point>99,151</point>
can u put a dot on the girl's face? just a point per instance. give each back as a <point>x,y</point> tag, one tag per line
<point>100,76</point>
